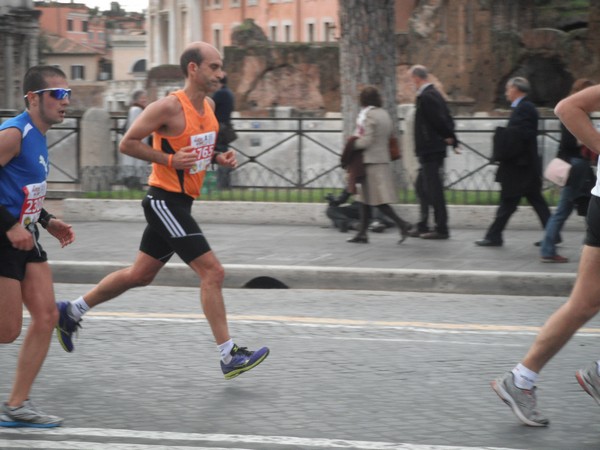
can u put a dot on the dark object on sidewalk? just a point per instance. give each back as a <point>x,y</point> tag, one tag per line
<point>265,283</point>
<point>347,217</point>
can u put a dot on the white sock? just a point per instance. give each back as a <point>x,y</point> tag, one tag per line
<point>225,351</point>
<point>78,308</point>
<point>524,378</point>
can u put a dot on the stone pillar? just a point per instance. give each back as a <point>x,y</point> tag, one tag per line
<point>409,159</point>
<point>9,70</point>
<point>97,151</point>
<point>33,49</point>
<point>173,53</point>
<point>196,29</point>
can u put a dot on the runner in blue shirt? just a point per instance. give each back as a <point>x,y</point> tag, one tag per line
<point>25,276</point>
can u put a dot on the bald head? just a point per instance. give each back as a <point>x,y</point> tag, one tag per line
<point>196,52</point>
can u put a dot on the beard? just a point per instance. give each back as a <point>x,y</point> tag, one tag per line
<point>47,118</point>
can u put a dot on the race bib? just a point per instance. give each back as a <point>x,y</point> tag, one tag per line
<point>32,205</point>
<point>204,147</point>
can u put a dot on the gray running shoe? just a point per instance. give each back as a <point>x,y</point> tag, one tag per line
<point>27,415</point>
<point>522,401</point>
<point>590,381</point>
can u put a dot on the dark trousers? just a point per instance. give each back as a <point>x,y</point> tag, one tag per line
<point>430,190</point>
<point>506,208</point>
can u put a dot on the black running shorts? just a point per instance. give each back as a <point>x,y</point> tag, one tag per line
<point>171,227</point>
<point>592,235</point>
<point>13,262</point>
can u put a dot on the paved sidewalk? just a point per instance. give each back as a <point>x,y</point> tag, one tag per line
<point>313,256</point>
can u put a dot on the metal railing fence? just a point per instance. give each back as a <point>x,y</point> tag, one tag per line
<point>288,159</point>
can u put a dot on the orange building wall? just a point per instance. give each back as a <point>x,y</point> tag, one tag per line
<point>54,20</point>
<point>54,17</point>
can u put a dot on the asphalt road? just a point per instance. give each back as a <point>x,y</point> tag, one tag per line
<point>348,369</point>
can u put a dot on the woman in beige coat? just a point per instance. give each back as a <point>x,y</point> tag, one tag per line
<point>374,128</point>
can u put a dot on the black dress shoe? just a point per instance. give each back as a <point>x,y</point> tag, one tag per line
<point>488,243</point>
<point>359,239</point>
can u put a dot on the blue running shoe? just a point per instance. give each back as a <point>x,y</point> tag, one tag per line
<point>243,360</point>
<point>66,326</point>
<point>27,415</point>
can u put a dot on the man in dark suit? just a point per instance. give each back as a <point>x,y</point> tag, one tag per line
<point>224,106</point>
<point>434,131</point>
<point>520,169</point>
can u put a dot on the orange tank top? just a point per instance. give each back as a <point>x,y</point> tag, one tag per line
<point>201,133</point>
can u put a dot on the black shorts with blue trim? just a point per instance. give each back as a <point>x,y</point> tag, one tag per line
<point>171,227</point>
<point>592,234</point>
<point>13,262</point>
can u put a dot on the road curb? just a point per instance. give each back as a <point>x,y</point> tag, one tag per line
<point>312,277</point>
<point>281,213</point>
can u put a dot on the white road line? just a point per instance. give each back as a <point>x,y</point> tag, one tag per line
<point>525,331</point>
<point>442,328</point>
<point>82,445</point>
<point>223,439</point>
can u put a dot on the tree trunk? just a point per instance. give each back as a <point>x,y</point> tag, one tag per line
<point>367,55</point>
<point>592,29</point>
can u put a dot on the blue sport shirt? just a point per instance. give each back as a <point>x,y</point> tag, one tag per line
<point>23,179</point>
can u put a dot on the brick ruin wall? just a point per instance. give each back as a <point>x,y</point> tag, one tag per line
<point>471,49</point>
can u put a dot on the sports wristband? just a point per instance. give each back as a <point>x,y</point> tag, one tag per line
<point>7,220</point>
<point>45,218</point>
<point>214,157</point>
<point>170,161</point>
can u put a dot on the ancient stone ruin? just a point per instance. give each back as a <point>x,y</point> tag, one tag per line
<point>471,47</point>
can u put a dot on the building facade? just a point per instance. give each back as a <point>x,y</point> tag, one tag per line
<point>72,21</point>
<point>174,23</point>
<point>78,61</point>
<point>18,48</point>
<point>102,52</point>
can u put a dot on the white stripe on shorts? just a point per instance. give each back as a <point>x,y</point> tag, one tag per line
<point>166,217</point>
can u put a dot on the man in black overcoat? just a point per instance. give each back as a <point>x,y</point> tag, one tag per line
<point>434,131</point>
<point>520,168</point>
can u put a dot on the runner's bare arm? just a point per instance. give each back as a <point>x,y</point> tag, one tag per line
<point>211,102</point>
<point>19,237</point>
<point>165,116</point>
<point>10,145</point>
<point>227,159</point>
<point>61,231</point>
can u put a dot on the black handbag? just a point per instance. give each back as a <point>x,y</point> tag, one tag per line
<point>227,134</point>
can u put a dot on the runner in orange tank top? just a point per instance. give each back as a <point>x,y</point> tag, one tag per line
<point>185,131</point>
<point>200,133</point>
